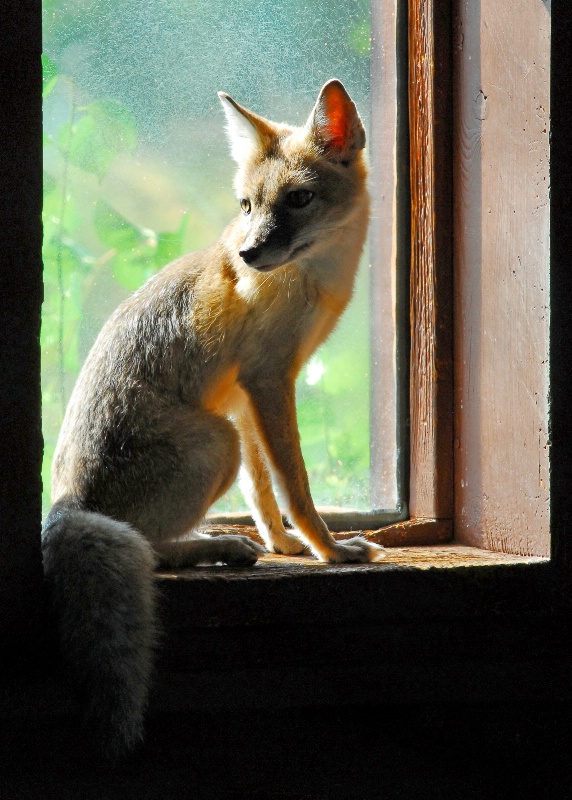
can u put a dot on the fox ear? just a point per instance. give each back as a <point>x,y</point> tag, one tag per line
<point>247,132</point>
<point>335,124</point>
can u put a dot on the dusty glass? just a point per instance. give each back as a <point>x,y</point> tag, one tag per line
<point>137,172</point>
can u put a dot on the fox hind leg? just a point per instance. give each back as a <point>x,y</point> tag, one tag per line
<point>235,551</point>
<point>207,461</point>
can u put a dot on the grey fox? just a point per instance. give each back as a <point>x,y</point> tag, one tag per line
<point>191,379</point>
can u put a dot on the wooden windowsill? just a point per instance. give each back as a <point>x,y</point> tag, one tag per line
<point>414,581</point>
<point>445,556</point>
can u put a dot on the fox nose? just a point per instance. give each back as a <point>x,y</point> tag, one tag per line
<point>249,254</point>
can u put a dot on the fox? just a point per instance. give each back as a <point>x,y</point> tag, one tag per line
<point>190,383</point>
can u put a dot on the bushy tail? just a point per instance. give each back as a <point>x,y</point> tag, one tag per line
<point>100,574</point>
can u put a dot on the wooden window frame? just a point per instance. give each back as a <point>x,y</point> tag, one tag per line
<point>507,613</point>
<point>446,414</point>
<point>431,364</point>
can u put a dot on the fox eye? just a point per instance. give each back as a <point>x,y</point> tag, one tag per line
<point>245,205</point>
<point>299,198</point>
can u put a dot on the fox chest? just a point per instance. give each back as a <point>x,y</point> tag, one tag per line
<point>223,394</point>
<point>276,344</point>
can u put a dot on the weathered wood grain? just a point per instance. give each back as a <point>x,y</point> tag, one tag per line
<point>431,322</point>
<point>501,275</point>
<point>431,484</point>
<point>445,556</point>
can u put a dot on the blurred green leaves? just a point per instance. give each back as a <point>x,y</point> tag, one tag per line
<point>105,131</point>
<point>79,155</point>
<point>137,252</point>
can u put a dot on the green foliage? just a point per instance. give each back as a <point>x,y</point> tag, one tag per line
<point>104,131</point>
<point>89,145</point>
<point>139,252</point>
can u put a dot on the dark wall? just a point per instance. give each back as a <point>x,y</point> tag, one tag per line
<point>20,299</point>
<point>390,752</point>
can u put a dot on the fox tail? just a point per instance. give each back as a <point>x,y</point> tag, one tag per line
<point>100,578</point>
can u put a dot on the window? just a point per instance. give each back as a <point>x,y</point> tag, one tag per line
<point>20,292</point>
<point>137,172</point>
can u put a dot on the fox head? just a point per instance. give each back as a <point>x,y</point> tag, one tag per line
<point>296,185</point>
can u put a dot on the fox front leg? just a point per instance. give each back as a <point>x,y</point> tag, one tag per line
<point>256,487</point>
<point>274,412</point>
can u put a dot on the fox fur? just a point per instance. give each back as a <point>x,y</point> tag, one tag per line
<point>191,380</point>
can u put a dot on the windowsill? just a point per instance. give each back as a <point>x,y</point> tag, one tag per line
<point>413,582</point>
<point>418,544</point>
<point>425,557</point>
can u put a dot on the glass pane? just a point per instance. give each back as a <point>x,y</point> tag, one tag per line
<point>138,171</point>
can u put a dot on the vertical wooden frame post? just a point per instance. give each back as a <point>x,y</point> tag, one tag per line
<point>430,123</point>
<point>502,253</point>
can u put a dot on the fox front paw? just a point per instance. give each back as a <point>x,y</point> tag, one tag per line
<point>356,551</point>
<point>287,543</point>
<point>238,551</point>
